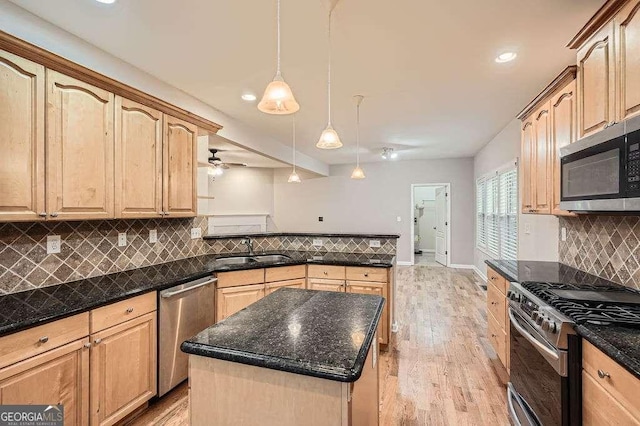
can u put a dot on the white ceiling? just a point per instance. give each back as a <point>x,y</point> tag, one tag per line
<point>426,67</point>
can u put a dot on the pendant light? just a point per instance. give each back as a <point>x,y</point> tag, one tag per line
<point>329,138</point>
<point>293,177</point>
<point>278,97</point>
<point>358,173</point>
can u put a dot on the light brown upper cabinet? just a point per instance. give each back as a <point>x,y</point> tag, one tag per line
<point>179,158</point>
<point>563,132</point>
<point>627,24</point>
<point>548,124</point>
<point>138,167</point>
<point>80,148</point>
<point>22,93</point>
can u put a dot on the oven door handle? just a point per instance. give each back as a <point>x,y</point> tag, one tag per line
<point>541,347</point>
<point>512,396</point>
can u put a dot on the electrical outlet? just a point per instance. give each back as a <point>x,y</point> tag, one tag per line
<point>317,243</point>
<point>196,233</point>
<point>563,233</point>
<point>527,228</point>
<point>398,219</point>
<point>153,236</point>
<point>122,239</point>
<point>374,243</point>
<point>53,244</point>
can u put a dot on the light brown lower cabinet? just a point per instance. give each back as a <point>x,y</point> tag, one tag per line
<point>498,325</point>
<point>233,299</point>
<point>376,289</point>
<point>271,287</point>
<point>325,284</point>
<point>59,376</point>
<point>123,369</point>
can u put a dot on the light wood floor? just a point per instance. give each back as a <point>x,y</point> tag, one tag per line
<point>439,366</point>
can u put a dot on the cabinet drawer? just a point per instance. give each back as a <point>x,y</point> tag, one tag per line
<point>25,344</point>
<point>622,385</point>
<point>235,278</point>
<point>325,285</point>
<point>498,339</point>
<point>600,408</point>
<point>283,273</point>
<point>367,274</point>
<point>297,283</point>
<point>497,305</point>
<point>497,280</point>
<point>119,312</point>
<point>327,272</point>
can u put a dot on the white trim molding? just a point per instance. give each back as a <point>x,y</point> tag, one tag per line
<point>404,263</point>
<point>461,266</point>
<point>482,275</point>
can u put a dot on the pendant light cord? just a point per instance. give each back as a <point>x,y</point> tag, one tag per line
<point>329,71</point>
<point>294,143</point>
<point>278,32</point>
<point>358,132</point>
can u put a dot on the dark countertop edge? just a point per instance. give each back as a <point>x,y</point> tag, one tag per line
<point>25,325</point>
<point>302,234</point>
<point>289,365</point>
<point>632,365</point>
<point>500,269</point>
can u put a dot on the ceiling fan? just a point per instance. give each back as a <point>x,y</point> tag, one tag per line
<point>217,165</point>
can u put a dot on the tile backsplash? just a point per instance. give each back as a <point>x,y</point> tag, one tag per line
<point>90,248</point>
<point>607,246</point>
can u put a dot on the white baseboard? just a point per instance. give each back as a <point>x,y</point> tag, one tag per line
<point>403,263</point>
<point>481,274</point>
<point>461,266</point>
<point>394,327</point>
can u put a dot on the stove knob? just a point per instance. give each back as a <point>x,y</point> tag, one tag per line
<point>539,320</point>
<point>546,325</point>
<point>535,315</point>
<point>553,327</point>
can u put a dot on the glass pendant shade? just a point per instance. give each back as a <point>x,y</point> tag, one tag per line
<point>294,178</point>
<point>358,173</point>
<point>278,98</point>
<point>329,139</point>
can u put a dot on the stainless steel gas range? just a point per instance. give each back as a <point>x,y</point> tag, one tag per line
<point>545,387</point>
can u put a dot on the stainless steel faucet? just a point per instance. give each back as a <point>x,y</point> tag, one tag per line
<point>249,243</point>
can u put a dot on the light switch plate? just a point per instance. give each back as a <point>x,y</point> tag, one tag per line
<point>398,219</point>
<point>153,236</point>
<point>374,243</point>
<point>317,243</point>
<point>122,239</point>
<point>196,233</point>
<point>53,244</point>
<point>527,228</point>
<point>563,233</point>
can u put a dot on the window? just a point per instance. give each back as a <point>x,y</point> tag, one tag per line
<point>497,213</point>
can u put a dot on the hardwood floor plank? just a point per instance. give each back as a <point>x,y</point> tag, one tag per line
<point>439,368</point>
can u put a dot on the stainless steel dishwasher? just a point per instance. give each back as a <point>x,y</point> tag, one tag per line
<point>184,311</point>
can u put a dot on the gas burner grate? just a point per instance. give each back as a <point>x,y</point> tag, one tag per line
<point>601,313</point>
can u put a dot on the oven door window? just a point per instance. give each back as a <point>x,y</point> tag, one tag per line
<point>536,381</point>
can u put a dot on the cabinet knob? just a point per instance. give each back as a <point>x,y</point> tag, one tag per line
<point>494,303</point>
<point>43,339</point>
<point>97,341</point>
<point>326,273</point>
<point>366,274</point>
<point>54,214</point>
<point>129,310</point>
<point>42,214</point>
<point>166,213</point>
<point>87,345</point>
<point>603,374</point>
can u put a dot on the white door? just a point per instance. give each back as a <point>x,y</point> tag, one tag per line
<point>441,226</point>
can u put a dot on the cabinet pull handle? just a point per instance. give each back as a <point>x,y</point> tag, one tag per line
<point>43,339</point>
<point>54,214</point>
<point>42,214</point>
<point>129,310</point>
<point>97,341</point>
<point>603,374</point>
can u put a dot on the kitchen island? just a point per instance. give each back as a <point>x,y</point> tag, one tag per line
<point>295,357</point>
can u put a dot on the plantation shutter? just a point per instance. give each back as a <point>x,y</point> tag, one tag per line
<point>491,206</point>
<point>508,214</point>
<point>481,229</point>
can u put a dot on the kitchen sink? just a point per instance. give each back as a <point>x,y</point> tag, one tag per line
<point>239,260</point>
<point>271,258</point>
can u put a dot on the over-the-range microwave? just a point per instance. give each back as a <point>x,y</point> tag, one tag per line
<point>601,173</point>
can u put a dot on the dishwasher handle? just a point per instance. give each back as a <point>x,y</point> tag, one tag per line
<point>184,290</point>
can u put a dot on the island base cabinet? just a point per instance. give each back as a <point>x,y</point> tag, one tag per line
<point>123,369</point>
<point>56,377</point>
<point>365,410</point>
<point>376,289</point>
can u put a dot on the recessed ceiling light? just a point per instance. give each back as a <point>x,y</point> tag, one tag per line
<point>506,57</point>
<point>106,1</point>
<point>249,97</point>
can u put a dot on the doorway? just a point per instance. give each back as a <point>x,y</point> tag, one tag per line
<point>431,230</point>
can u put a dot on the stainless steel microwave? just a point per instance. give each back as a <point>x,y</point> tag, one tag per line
<point>601,173</point>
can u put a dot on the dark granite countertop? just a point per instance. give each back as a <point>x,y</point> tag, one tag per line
<point>314,333</point>
<point>620,343</point>
<point>19,311</point>
<point>300,234</point>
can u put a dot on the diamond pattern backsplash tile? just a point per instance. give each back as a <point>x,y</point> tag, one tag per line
<point>90,248</point>
<point>607,246</point>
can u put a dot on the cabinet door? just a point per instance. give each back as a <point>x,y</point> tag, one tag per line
<point>600,408</point>
<point>325,285</point>
<point>123,369</point>
<point>79,149</point>
<point>526,161</point>
<point>56,377</point>
<point>271,287</point>
<point>563,132</point>
<point>542,146</point>
<point>138,153</point>
<point>596,83</point>
<point>233,299</point>
<point>22,87</point>
<point>378,289</point>
<point>179,164</point>
<point>628,50</point>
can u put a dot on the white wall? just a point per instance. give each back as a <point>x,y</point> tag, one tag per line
<point>26,26</point>
<point>242,191</point>
<point>541,240</point>
<point>373,204</point>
